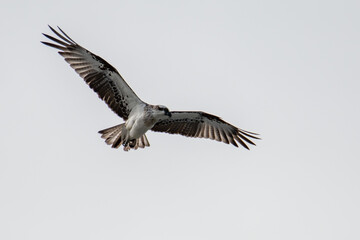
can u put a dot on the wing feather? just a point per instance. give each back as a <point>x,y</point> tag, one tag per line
<point>103,78</point>
<point>204,125</point>
<point>223,136</point>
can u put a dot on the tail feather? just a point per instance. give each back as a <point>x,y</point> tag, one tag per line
<point>115,136</point>
<point>112,134</point>
<point>142,142</point>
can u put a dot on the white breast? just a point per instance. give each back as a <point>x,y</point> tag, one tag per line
<point>137,123</point>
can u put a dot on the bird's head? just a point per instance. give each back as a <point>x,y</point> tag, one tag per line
<point>162,110</point>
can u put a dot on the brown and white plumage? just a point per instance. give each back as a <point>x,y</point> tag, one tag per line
<point>204,125</point>
<point>103,78</point>
<point>139,116</point>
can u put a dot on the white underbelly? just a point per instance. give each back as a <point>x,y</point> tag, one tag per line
<point>138,129</point>
<point>138,123</point>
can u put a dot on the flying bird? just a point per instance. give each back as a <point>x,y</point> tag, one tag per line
<point>138,115</point>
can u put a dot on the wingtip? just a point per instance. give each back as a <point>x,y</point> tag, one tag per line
<point>52,29</point>
<point>45,43</point>
<point>46,35</point>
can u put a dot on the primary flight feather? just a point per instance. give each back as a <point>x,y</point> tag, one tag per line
<point>140,116</point>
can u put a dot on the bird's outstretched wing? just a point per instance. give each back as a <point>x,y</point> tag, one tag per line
<point>204,125</point>
<point>103,78</point>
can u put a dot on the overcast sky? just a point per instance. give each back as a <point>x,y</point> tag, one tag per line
<point>288,70</point>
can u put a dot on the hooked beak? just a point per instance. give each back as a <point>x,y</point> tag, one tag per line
<point>168,114</point>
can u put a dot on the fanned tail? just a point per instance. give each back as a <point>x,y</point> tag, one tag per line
<point>116,136</point>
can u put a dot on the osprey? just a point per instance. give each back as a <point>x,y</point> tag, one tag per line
<point>139,116</point>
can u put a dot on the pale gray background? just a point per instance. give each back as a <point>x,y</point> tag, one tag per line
<point>286,69</point>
